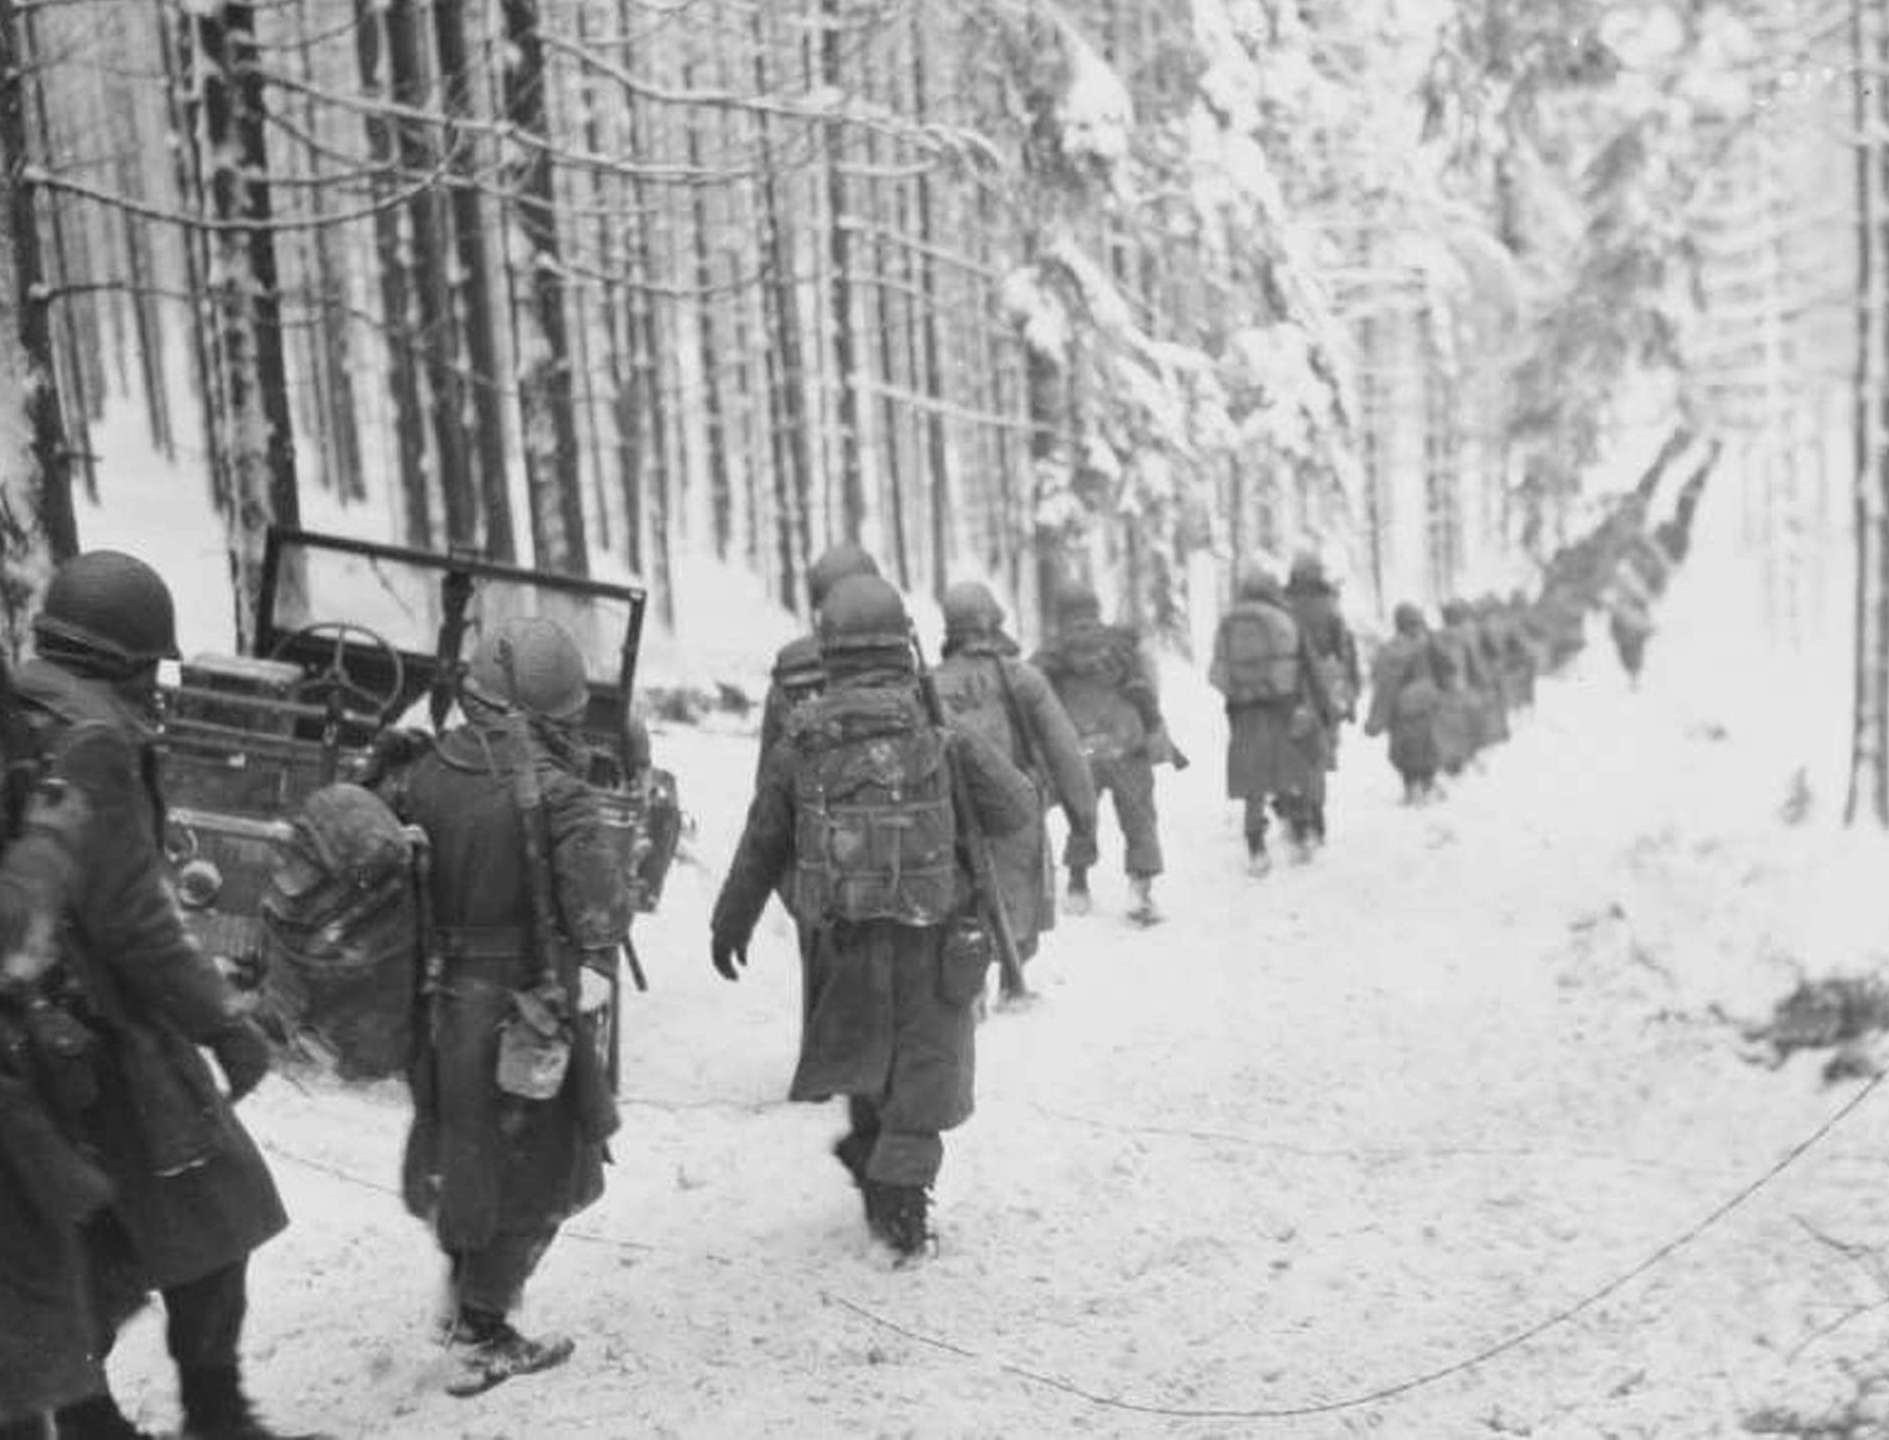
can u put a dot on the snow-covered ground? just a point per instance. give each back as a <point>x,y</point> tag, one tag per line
<point>1315,1137</point>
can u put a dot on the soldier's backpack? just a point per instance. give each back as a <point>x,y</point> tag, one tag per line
<point>1261,654</point>
<point>875,835</point>
<point>342,919</point>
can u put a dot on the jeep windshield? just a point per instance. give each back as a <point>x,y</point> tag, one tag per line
<point>415,601</point>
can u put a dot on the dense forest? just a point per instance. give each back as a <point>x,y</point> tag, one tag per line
<point>1007,287</point>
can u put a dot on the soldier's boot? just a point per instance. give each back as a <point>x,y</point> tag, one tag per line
<point>215,1407</point>
<point>1258,862</point>
<point>900,1217</point>
<point>1078,900</point>
<point>1143,911</point>
<point>492,1352</point>
<point>96,1418</point>
<point>853,1150</point>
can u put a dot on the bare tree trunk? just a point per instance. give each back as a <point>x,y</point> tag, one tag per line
<point>37,528</point>
<point>72,366</point>
<point>147,324</point>
<point>840,255</point>
<point>438,337</point>
<point>1869,759</point>
<point>786,362</point>
<point>721,493</point>
<point>473,284</point>
<point>272,378</point>
<point>546,396</point>
<point>395,288</point>
<point>649,502</point>
<point>244,417</point>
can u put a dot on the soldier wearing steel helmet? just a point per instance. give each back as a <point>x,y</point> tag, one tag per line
<point>1277,714</point>
<point>985,688</point>
<point>1313,596</point>
<point>858,814</point>
<point>797,675</point>
<point>1106,683</point>
<point>496,1173</point>
<point>191,1197</point>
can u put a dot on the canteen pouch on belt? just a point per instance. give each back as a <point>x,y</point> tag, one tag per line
<point>534,1047</point>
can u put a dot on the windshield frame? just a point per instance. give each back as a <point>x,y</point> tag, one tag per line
<point>283,539</point>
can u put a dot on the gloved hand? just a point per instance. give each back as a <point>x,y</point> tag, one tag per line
<point>727,953</point>
<point>242,1053</point>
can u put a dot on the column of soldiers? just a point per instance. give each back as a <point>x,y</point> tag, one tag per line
<point>900,813</point>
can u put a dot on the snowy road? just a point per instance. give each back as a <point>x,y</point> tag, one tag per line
<point>1313,1137</point>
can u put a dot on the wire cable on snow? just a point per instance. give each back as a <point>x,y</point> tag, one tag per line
<point>1302,1410</point>
<point>1419,1381</point>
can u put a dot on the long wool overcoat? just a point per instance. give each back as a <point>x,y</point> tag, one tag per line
<point>1007,702</point>
<point>480,1162</point>
<point>1404,703</point>
<point>1274,747</point>
<point>884,1020</point>
<point>190,1190</point>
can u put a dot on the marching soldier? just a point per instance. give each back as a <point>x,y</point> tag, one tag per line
<point>1334,651</point>
<point>985,688</point>
<point>191,1197</point>
<point>511,1107</point>
<point>1277,715</point>
<point>1107,686</point>
<point>1404,701</point>
<point>858,811</point>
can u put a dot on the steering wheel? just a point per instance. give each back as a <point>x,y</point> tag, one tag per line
<point>335,679</point>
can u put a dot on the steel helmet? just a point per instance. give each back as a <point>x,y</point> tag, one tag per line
<point>970,609</point>
<point>837,564</point>
<point>797,668</point>
<point>532,663</point>
<point>863,612</point>
<point>1076,601</point>
<point>108,610</point>
<point>1257,582</point>
<point>1308,571</point>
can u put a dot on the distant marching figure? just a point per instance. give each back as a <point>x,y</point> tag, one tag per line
<point>1405,697</point>
<point>985,688</point>
<point>1314,600</point>
<point>1277,714</point>
<point>1106,683</point>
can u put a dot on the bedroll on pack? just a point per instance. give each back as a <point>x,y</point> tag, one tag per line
<point>876,837</point>
<point>1262,655</point>
<point>341,932</point>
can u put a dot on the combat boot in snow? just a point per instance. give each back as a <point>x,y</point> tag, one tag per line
<point>215,1407</point>
<point>1258,862</point>
<point>899,1216</point>
<point>492,1352</point>
<point>1144,910</point>
<point>1078,899</point>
